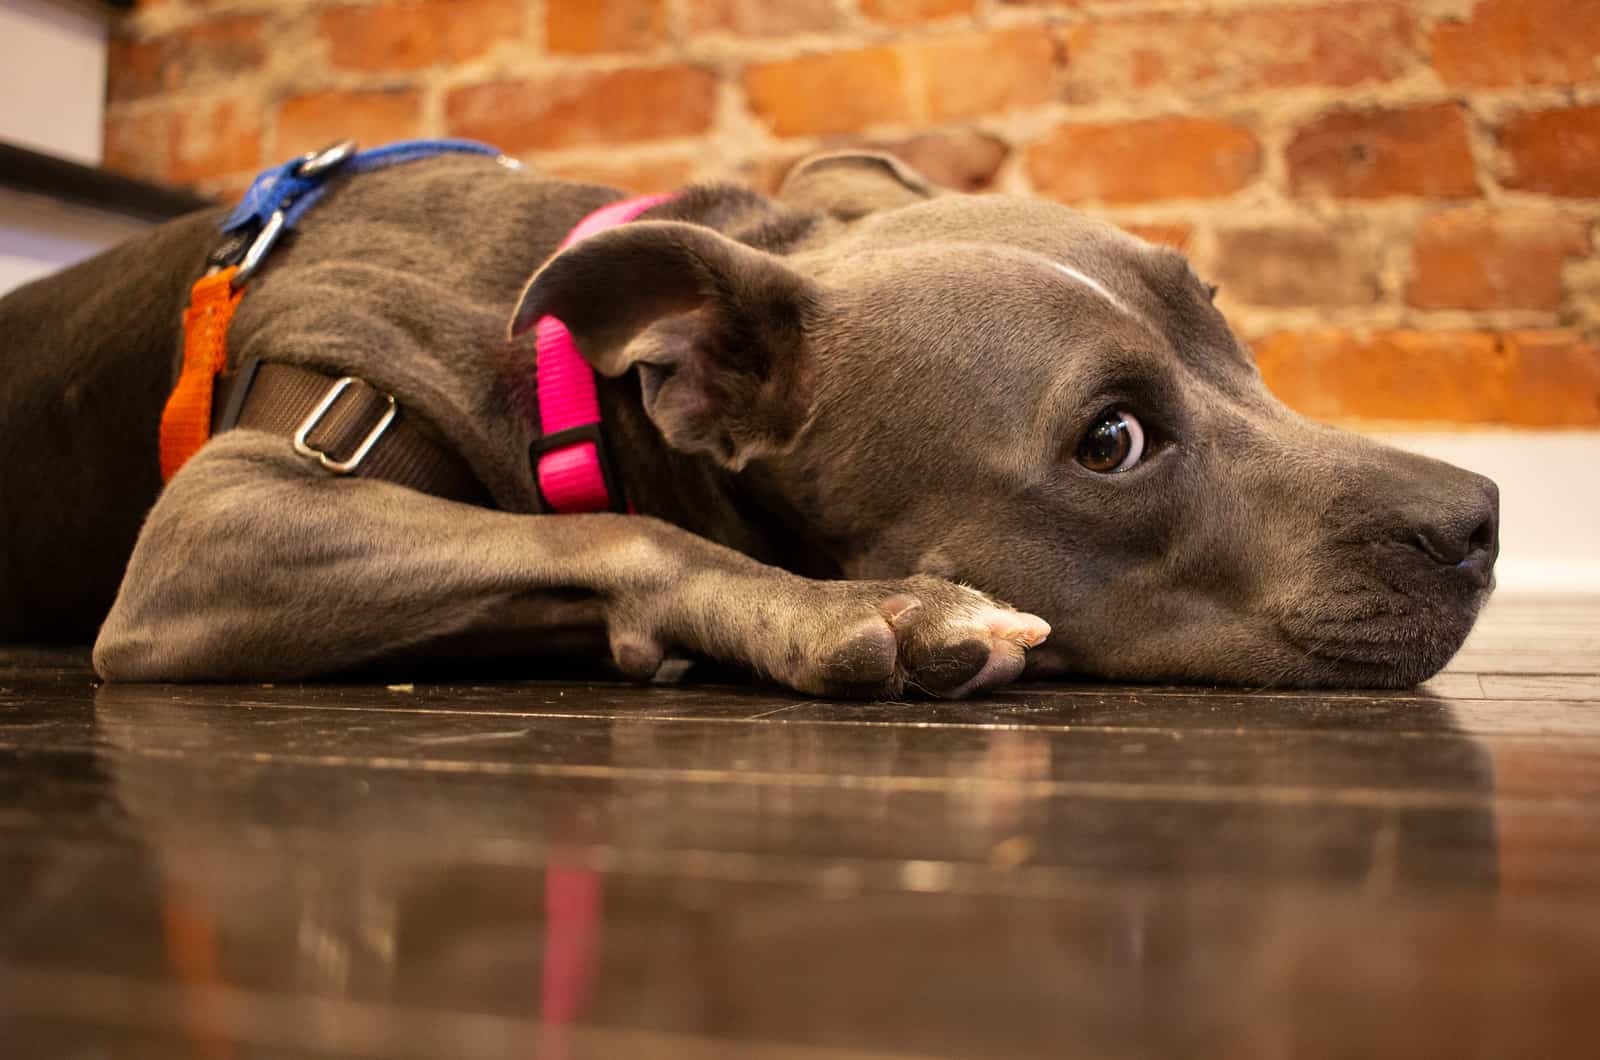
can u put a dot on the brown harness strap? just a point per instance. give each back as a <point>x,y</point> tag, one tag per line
<point>347,425</point>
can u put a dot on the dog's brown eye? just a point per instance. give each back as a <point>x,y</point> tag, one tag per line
<point>1114,442</point>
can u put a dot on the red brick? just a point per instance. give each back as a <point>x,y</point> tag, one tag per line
<point>763,17</point>
<point>1555,151</point>
<point>910,82</point>
<point>978,74</point>
<point>1369,154</point>
<point>577,109</point>
<point>1167,235</point>
<point>1524,379</point>
<point>216,139</point>
<point>209,53</point>
<point>185,146</point>
<point>1335,265</point>
<point>830,93</point>
<point>410,34</point>
<point>1337,45</point>
<point>134,69</point>
<point>220,49</point>
<point>308,122</point>
<point>1156,158</point>
<point>906,11</point>
<point>140,145</point>
<point>196,143</point>
<point>641,176</point>
<point>1556,381</point>
<point>605,25</point>
<point>1466,259</point>
<point>1520,42</point>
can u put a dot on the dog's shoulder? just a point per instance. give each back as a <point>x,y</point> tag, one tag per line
<point>405,277</point>
<point>467,225</point>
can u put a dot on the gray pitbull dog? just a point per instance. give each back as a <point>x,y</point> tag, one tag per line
<point>852,420</point>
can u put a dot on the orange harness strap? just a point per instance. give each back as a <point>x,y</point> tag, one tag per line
<point>186,421</point>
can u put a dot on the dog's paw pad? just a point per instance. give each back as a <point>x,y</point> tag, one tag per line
<point>948,666</point>
<point>864,659</point>
<point>921,634</point>
<point>972,651</point>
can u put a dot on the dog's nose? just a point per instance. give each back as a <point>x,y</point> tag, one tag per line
<point>1468,534</point>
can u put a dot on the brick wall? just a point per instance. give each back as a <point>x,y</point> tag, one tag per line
<point>1399,197</point>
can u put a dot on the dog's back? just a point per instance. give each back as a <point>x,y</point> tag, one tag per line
<point>89,355</point>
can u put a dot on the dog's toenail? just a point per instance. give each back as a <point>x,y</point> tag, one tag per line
<point>898,606</point>
<point>1028,630</point>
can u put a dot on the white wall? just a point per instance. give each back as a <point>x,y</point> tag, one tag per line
<point>52,100</point>
<point>53,77</point>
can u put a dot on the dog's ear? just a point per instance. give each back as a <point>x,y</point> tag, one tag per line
<point>716,330</point>
<point>853,184</point>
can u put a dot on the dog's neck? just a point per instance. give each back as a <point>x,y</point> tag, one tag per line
<point>693,490</point>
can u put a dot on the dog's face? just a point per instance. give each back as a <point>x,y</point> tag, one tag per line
<point>1008,393</point>
<point>1074,428</point>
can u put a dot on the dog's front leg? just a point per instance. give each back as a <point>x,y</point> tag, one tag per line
<point>255,566</point>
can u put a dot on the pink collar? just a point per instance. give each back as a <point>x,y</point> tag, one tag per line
<point>572,472</point>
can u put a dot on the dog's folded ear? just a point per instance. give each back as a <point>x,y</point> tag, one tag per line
<point>849,185</point>
<point>715,329</point>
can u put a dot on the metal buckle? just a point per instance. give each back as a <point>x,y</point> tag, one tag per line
<point>258,249</point>
<point>314,164</point>
<point>341,467</point>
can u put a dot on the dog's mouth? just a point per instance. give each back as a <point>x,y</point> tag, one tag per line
<point>1384,617</point>
<point>1356,632</point>
<point>1365,662</point>
<point>1398,649</point>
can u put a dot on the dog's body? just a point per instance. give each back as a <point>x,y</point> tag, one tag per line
<point>832,412</point>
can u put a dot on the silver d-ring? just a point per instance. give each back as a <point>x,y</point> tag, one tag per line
<point>314,164</point>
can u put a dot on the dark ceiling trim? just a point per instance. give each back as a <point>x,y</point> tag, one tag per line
<point>42,174</point>
<point>117,5</point>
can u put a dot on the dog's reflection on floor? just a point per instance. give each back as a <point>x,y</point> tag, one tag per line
<point>766,881</point>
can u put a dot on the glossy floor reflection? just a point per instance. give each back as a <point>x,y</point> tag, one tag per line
<point>571,870</point>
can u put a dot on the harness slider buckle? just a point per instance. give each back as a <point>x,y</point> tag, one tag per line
<point>314,417</point>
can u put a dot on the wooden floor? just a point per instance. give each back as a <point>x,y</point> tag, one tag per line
<point>567,870</point>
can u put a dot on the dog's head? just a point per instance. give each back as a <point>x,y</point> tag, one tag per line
<point>1008,393</point>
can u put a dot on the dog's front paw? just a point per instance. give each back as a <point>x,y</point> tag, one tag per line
<point>923,634</point>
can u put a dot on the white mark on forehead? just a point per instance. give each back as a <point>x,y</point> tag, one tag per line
<point>1093,284</point>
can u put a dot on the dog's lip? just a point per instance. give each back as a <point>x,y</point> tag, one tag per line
<point>1389,650</point>
<point>1381,614</point>
<point>1372,640</point>
<point>1357,664</point>
<point>1351,654</point>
